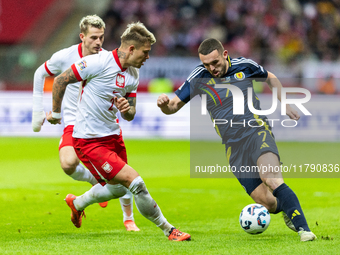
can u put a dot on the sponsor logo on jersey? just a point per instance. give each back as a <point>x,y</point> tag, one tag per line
<point>120,81</point>
<point>239,76</point>
<point>107,167</point>
<point>82,65</point>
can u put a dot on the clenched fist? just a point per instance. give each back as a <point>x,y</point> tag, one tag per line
<point>122,104</point>
<point>163,100</point>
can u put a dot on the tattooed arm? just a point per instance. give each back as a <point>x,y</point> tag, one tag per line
<point>58,91</point>
<point>127,107</point>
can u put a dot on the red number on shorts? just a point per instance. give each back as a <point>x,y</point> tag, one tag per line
<point>113,101</point>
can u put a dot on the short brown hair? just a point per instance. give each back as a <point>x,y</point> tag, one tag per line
<point>137,33</point>
<point>91,21</point>
<point>209,45</point>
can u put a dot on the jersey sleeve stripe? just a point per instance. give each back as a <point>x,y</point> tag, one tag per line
<point>249,61</point>
<point>75,71</point>
<point>254,63</point>
<point>238,59</point>
<point>235,60</point>
<point>48,70</point>
<point>131,95</point>
<point>195,73</point>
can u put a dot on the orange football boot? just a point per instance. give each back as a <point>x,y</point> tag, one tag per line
<point>103,204</point>
<point>176,235</point>
<point>130,225</point>
<point>76,216</point>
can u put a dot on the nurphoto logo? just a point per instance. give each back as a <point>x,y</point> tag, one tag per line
<point>238,104</point>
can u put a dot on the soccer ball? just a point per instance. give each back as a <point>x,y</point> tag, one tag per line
<point>254,219</point>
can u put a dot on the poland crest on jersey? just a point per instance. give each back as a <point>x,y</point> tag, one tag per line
<point>120,81</point>
<point>107,167</point>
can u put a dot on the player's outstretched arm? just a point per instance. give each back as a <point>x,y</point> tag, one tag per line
<point>274,82</point>
<point>169,106</point>
<point>58,91</point>
<point>38,113</point>
<point>127,107</point>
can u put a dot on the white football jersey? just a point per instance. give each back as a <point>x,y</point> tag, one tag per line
<point>60,62</point>
<point>103,80</point>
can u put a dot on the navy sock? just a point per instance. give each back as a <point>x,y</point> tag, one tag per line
<point>289,203</point>
<point>278,206</point>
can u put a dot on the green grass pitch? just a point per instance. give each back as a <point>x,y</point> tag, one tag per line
<point>34,219</point>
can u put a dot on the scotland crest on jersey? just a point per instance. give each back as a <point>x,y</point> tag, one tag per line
<point>239,76</point>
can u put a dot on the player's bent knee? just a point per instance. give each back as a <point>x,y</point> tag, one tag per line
<point>137,186</point>
<point>69,165</point>
<point>68,159</point>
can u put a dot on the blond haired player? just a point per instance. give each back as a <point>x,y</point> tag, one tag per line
<point>112,80</point>
<point>92,36</point>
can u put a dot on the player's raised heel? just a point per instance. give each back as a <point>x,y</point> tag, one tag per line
<point>288,222</point>
<point>76,216</point>
<point>176,235</point>
<point>307,236</point>
<point>130,225</point>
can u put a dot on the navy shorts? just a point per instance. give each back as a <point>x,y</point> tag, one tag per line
<point>243,157</point>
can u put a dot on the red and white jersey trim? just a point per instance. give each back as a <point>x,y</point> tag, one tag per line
<point>48,70</point>
<point>75,71</point>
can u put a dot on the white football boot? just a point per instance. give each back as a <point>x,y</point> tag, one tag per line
<point>306,236</point>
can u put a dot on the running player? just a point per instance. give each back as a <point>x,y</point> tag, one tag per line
<point>245,146</point>
<point>92,36</point>
<point>110,81</point>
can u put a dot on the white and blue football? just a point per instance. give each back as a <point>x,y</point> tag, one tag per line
<point>254,219</point>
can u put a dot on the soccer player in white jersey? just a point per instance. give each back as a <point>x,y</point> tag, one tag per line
<point>92,36</point>
<point>111,84</point>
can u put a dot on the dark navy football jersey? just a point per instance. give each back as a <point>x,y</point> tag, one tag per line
<point>241,73</point>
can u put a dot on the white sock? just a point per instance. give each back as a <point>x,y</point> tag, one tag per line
<point>126,203</point>
<point>147,206</point>
<point>83,174</point>
<point>98,194</point>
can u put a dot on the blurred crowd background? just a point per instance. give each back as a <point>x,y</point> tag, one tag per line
<point>266,30</point>
<point>288,36</point>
